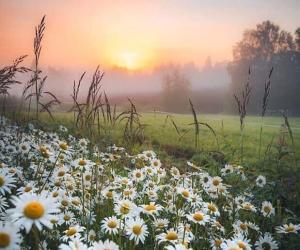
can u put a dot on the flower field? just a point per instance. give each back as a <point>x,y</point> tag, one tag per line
<point>61,192</point>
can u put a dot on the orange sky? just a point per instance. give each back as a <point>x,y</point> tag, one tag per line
<point>135,34</point>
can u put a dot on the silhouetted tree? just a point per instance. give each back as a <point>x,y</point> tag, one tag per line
<point>260,49</point>
<point>297,39</point>
<point>176,89</point>
<point>261,43</point>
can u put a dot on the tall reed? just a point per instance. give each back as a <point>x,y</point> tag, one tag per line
<point>265,102</point>
<point>242,103</point>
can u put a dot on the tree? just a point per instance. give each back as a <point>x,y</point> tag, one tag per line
<point>263,42</point>
<point>176,90</point>
<point>262,48</point>
<point>297,39</point>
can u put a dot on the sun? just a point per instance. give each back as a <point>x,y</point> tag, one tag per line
<point>129,60</point>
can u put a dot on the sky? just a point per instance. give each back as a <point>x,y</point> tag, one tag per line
<point>136,35</point>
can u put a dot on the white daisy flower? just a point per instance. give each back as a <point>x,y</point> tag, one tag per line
<point>106,245</point>
<point>171,236</point>
<point>266,242</point>
<point>137,230</point>
<point>9,236</point>
<point>110,225</point>
<point>198,217</point>
<point>74,244</point>
<point>151,208</point>
<point>32,209</point>
<point>267,209</point>
<point>72,232</point>
<point>261,181</point>
<point>6,182</point>
<point>288,228</point>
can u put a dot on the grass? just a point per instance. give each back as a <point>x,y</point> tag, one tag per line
<point>160,131</point>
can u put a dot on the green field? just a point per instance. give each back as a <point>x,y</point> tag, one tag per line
<point>160,132</point>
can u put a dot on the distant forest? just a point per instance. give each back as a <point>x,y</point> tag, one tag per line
<point>265,47</point>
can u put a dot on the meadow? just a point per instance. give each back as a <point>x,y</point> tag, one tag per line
<point>98,178</point>
<point>161,133</point>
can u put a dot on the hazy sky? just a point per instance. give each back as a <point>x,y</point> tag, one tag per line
<point>135,34</point>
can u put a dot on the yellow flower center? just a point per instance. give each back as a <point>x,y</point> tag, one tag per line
<point>67,217</point>
<point>109,194</point>
<point>155,163</point>
<point>34,210</point>
<point>150,207</point>
<point>112,224</point>
<point>27,189</point>
<point>212,208</point>
<point>4,240</point>
<point>64,203</point>
<point>82,162</point>
<point>242,245</point>
<point>185,193</point>
<point>198,217</point>
<point>138,175</point>
<point>247,206</point>
<point>171,235</point>
<point>54,194</point>
<point>218,242</point>
<point>63,146</point>
<point>71,231</point>
<point>2,181</point>
<point>243,226</point>
<point>124,209</point>
<point>44,152</point>
<point>137,229</point>
<point>61,173</point>
<point>290,229</point>
<point>127,192</point>
<point>216,182</point>
<point>267,209</point>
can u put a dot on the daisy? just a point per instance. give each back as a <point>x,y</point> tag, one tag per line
<point>170,236</point>
<point>288,228</point>
<point>138,175</point>
<point>156,163</point>
<point>228,169</point>
<point>125,208</point>
<point>161,223</point>
<point>211,209</point>
<point>110,225</point>
<point>230,245</point>
<point>175,172</point>
<point>242,242</point>
<point>74,244</point>
<point>266,242</point>
<point>106,245</point>
<point>6,183</point>
<point>261,181</point>
<point>9,237</point>
<point>215,243</point>
<point>185,193</point>
<point>151,208</point>
<point>248,207</point>
<point>72,232</point>
<point>137,230</point>
<point>198,217</point>
<point>267,209</point>
<point>33,209</point>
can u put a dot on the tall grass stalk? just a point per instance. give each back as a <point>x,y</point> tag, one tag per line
<point>265,102</point>
<point>242,103</point>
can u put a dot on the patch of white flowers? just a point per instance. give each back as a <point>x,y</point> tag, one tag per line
<point>57,191</point>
